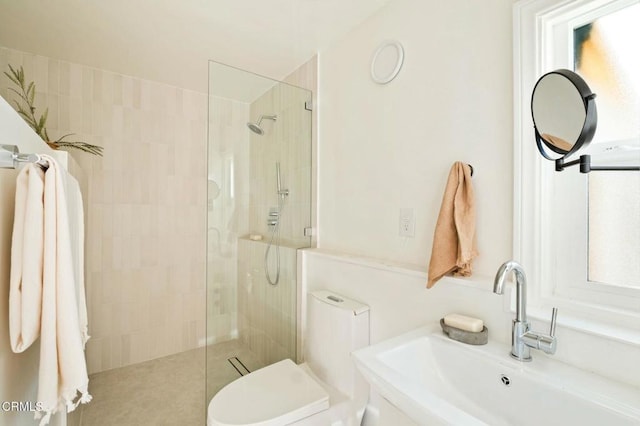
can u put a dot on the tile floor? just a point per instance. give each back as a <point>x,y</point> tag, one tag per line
<point>166,391</point>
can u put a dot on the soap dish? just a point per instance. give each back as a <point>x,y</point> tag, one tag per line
<point>469,337</point>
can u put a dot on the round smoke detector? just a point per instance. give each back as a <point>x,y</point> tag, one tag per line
<point>387,61</point>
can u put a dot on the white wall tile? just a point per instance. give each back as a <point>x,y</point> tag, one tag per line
<point>145,234</point>
<point>116,89</point>
<point>64,78</point>
<point>53,77</point>
<point>40,73</point>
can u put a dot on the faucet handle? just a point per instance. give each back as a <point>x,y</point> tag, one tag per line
<point>554,314</point>
<point>543,342</point>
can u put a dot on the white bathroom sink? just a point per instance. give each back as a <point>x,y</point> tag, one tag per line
<point>435,380</point>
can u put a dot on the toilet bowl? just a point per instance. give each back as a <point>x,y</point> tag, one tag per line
<point>325,390</point>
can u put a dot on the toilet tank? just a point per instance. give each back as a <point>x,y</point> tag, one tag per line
<point>336,326</point>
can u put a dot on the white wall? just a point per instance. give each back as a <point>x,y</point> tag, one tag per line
<point>382,148</point>
<point>386,147</point>
<point>396,294</point>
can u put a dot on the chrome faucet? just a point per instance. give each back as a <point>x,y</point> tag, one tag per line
<point>522,339</point>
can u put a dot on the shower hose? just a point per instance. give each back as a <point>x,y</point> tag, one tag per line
<point>275,234</point>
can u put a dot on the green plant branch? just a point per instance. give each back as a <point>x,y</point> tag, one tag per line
<point>82,146</point>
<point>27,94</point>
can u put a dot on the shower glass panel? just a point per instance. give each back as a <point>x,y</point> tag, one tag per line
<point>259,204</point>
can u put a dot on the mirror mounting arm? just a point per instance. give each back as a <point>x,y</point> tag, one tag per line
<point>585,165</point>
<point>584,161</point>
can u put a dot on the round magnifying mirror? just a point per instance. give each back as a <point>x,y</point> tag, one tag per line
<point>564,113</point>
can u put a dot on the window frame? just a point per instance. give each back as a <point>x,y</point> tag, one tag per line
<point>537,24</point>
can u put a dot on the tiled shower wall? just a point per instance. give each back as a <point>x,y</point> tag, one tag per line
<point>267,314</point>
<point>146,204</point>
<point>228,212</point>
<point>287,141</point>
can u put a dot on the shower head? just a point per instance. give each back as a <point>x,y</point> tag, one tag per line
<point>255,127</point>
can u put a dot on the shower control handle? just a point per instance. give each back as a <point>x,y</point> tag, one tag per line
<point>274,216</point>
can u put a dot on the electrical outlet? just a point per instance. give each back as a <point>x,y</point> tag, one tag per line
<point>407,222</point>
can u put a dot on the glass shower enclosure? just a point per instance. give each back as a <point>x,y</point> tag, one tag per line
<point>259,205</point>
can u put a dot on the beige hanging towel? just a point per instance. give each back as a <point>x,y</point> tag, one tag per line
<point>454,240</point>
<point>46,294</point>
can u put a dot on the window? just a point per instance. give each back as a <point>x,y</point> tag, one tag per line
<point>577,235</point>
<point>605,55</point>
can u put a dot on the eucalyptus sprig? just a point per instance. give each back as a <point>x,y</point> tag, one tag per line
<point>27,110</point>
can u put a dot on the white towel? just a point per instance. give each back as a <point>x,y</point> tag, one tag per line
<point>27,250</point>
<point>46,296</point>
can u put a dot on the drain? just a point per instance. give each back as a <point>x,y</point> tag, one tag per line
<point>505,380</point>
<point>238,365</point>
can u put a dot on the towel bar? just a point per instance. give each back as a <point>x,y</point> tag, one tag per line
<point>10,156</point>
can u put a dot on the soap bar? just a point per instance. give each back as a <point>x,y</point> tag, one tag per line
<point>255,237</point>
<point>464,323</point>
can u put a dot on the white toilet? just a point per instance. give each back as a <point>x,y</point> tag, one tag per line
<point>325,390</point>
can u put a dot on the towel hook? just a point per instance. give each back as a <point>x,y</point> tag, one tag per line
<point>10,157</point>
<point>471,168</point>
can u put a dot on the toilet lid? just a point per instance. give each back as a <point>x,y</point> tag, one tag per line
<point>279,394</point>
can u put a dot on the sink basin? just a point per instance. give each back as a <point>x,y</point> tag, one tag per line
<point>435,380</point>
